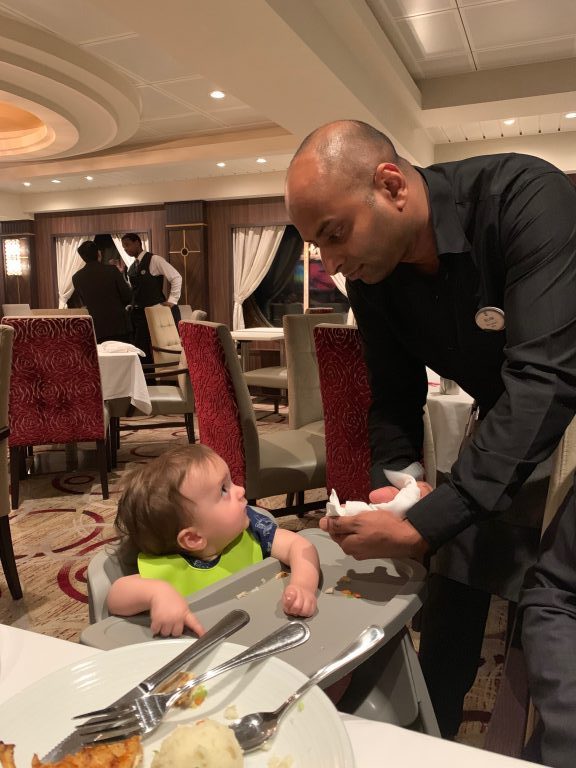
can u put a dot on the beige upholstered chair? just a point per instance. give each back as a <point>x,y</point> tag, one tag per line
<point>16,309</point>
<point>283,462</point>
<point>304,399</point>
<point>164,334</point>
<point>6,548</point>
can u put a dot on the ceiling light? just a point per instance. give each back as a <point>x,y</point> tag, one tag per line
<point>26,183</point>
<point>217,94</point>
<point>510,121</point>
<point>261,160</point>
<point>56,181</point>
<point>221,165</point>
<point>89,178</point>
<point>570,115</point>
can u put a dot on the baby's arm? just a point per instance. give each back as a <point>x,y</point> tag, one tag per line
<point>169,611</point>
<point>300,554</point>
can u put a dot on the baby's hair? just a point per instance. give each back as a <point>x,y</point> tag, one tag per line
<point>151,510</point>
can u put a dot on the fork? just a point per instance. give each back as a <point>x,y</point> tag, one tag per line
<point>144,715</point>
<point>254,729</point>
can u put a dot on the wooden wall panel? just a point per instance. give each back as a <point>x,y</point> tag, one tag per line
<point>187,253</point>
<point>222,216</point>
<point>150,219</point>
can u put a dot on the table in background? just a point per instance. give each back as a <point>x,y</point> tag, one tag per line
<point>122,376</point>
<point>449,416</point>
<point>247,335</point>
<point>26,656</point>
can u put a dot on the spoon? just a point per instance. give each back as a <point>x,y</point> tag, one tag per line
<point>253,730</point>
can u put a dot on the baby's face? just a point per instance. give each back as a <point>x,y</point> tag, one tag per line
<point>220,506</point>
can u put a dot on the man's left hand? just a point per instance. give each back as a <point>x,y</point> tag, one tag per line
<point>375,534</point>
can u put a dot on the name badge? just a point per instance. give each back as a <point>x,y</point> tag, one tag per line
<point>490,319</point>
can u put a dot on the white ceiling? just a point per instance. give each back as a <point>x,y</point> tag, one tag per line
<point>440,76</point>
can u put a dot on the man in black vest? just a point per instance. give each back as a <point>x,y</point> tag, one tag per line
<point>146,275</point>
<point>105,293</point>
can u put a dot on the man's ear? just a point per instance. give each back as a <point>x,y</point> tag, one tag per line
<point>388,178</point>
<point>190,540</point>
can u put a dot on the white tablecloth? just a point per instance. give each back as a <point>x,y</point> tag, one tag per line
<point>122,376</point>
<point>449,416</point>
<point>26,656</point>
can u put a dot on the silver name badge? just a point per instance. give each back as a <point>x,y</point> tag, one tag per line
<point>490,319</point>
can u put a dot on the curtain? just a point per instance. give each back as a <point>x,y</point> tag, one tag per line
<point>254,249</point>
<point>118,243</point>
<point>281,270</point>
<point>67,263</point>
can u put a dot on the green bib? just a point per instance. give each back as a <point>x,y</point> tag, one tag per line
<point>187,578</point>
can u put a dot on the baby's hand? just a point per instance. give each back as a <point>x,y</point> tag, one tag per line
<point>298,601</point>
<point>169,614</point>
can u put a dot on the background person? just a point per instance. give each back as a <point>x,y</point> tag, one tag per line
<point>428,254</point>
<point>105,294</point>
<point>186,524</point>
<point>146,274</point>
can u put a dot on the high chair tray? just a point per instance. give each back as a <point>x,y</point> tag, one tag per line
<point>353,594</point>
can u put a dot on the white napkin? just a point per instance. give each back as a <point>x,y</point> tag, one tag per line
<point>400,504</point>
<point>120,346</point>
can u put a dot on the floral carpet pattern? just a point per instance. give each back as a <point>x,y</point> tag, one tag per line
<point>62,522</point>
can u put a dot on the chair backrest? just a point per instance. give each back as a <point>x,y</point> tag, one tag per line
<point>304,399</point>
<point>562,474</point>
<point>346,399</point>
<point>163,333</point>
<point>224,409</point>
<point>6,340</point>
<point>55,390</point>
<point>187,313</point>
<point>75,311</point>
<point>16,309</point>
<point>318,311</point>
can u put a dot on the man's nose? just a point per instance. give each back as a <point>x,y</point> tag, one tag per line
<point>332,260</point>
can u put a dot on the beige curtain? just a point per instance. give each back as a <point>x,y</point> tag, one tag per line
<point>67,263</point>
<point>254,249</point>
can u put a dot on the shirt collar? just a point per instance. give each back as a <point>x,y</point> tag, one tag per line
<point>450,237</point>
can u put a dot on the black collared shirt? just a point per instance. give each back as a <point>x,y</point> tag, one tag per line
<point>505,228</point>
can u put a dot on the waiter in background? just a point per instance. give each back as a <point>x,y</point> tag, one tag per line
<point>146,274</point>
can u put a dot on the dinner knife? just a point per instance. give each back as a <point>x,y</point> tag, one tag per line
<point>231,623</point>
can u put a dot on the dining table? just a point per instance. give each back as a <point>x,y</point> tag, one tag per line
<point>26,657</point>
<point>122,376</point>
<point>244,336</point>
<point>449,410</point>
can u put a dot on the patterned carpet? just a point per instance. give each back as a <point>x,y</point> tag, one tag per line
<point>62,521</point>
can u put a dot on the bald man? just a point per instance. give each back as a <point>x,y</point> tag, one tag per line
<point>470,268</point>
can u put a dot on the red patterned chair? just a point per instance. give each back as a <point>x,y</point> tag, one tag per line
<point>346,399</point>
<point>283,462</point>
<point>55,390</point>
<point>6,548</point>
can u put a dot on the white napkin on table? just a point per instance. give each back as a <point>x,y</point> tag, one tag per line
<point>400,504</point>
<point>120,346</point>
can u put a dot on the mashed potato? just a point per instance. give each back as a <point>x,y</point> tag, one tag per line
<point>206,744</point>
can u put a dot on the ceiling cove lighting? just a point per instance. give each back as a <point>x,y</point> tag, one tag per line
<point>221,165</point>
<point>56,181</point>
<point>89,178</point>
<point>570,115</point>
<point>27,183</point>
<point>510,121</point>
<point>261,160</point>
<point>217,94</point>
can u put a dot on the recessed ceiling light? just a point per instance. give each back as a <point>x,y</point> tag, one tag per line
<point>217,94</point>
<point>89,178</point>
<point>261,160</point>
<point>56,181</point>
<point>221,165</point>
<point>570,115</point>
<point>510,121</point>
<point>27,183</point>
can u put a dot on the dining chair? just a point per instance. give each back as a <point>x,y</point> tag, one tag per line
<point>346,399</point>
<point>55,390</point>
<point>6,548</point>
<point>283,462</point>
<point>164,333</point>
<point>16,309</point>
<point>173,397</point>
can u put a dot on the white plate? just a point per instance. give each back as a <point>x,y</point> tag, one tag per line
<point>36,719</point>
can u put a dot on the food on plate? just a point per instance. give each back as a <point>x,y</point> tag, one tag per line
<point>120,754</point>
<point>189,699</point>
<point>205,744</point>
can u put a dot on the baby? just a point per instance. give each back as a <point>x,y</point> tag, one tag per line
<point>186,525</point>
